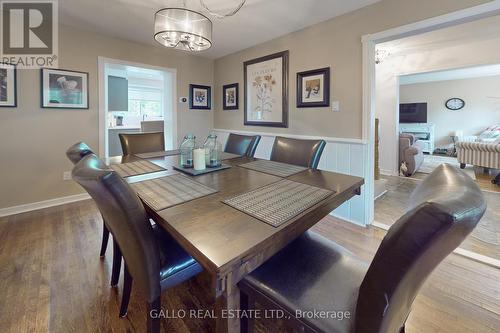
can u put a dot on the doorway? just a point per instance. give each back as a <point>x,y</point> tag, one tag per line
<point>135,98</point>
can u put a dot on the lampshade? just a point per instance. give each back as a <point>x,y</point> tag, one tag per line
<point>183,29</point>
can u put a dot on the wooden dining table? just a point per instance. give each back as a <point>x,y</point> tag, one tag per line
<point>228,243</point>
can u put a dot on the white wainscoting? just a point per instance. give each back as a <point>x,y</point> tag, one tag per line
<point>347,156</point>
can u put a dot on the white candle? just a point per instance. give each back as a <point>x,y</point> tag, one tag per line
<point>199,159</point>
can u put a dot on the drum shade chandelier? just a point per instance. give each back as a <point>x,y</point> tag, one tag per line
<point>186,29</point>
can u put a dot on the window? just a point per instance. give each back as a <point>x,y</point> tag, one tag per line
<point>145,102</point>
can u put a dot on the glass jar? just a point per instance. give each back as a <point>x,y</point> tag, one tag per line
<point>213,150</point>
<point>186,149</point>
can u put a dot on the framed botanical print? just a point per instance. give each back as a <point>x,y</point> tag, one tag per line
<point>313,88</point>
<point>200,97</point>
<point>8,85</point>
<point>64,89</point>
<point>230,97</point>
<point>266,91</point>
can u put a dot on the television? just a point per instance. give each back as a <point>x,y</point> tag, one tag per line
<point>413,113</point>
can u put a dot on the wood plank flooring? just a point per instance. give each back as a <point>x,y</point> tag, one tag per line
<point>485,239</point>
<point>52,280</point>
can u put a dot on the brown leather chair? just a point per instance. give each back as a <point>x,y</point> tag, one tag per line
<point>152,257</point>
<point>313,273</point>
<point>306,153</point>
<point>138,143</point>
<point>244,145</point>
<point>75,153</point>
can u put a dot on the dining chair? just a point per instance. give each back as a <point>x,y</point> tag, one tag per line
<point>314,274</point>
<point>153,259</point>
<point>244,145</point>
<point>75,153</point>
<point>306,153</point>
<point>138,143</point>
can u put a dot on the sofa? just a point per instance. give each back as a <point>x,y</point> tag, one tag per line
<point>482,150</point>
<point>411,154</point>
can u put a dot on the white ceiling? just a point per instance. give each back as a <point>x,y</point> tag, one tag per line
<point>454,74</point>
<point>258,21</point>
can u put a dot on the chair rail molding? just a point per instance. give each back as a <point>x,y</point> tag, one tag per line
<point>341,155</point>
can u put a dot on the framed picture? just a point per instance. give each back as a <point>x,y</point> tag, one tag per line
<point>64,89</point>
<point>8,85</point>
<point>200,97</point>
<point>266,90</point>
<point>313,88</point>
<point>230,97</point>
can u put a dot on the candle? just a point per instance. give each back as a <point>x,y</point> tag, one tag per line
<point>199,159</point>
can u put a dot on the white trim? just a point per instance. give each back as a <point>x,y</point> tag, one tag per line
<point>43,204</point>
<point>478,257</point>
<point>295,136</point>
<point>348,220</point>
<point>381,194</point>
<point>369,41</point>
<point>103,126</point>
<point>458,251</point>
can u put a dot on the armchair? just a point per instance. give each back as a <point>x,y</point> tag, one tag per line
<point>410,153</point>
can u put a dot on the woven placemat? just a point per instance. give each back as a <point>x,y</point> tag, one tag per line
<point>273,168</point>
<point>159,154</point>
<point>228,156</point>
<point>161,193</point>
<point>279,202</point>
<point>135,168</point>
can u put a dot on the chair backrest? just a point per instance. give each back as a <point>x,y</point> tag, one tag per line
<point>152,126</point>
<point>126,219</point>
<point>305,153</point>
<point>78,151</point>
<point>444,209</point>
<point>137,143</point>
<point>242,144</point>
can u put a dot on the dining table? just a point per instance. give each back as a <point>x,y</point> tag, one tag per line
<point>227,242</point>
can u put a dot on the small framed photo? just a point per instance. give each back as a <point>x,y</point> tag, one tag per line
<point>64,89</point>
<point>200,97</point>
<point>8,85</point>
<point>230,95</point>
<point>313,88</point>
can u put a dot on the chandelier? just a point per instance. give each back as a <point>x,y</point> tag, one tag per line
<point>186,29</point>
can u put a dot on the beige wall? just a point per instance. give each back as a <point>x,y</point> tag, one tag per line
<point>479,112</point>
<point>33,140</point>
<point>335,43</point>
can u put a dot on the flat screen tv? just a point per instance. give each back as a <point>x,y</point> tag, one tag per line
<point>413,113</point>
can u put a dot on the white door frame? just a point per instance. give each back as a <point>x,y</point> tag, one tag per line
<point>103,126</point>
<point>369,42</point>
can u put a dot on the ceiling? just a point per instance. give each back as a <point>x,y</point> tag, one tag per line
<point>471,32</point>
<point>454,74</point>
<point>258,21</point>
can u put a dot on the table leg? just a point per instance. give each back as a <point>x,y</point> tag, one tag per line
<point>226,304</point>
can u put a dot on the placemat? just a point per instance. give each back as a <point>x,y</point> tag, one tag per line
<point>193,172</point>
<point>161,193</point>
<point>227,156</point>
<point>278,202</point>
<point>159,154</point>
<point>273,168</point>
<point>135,168</point>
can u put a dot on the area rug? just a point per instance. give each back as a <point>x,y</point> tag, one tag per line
<point>431,162</point>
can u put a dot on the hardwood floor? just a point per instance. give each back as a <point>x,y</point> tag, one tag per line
<point>52,280</point>
<point>485,239</point>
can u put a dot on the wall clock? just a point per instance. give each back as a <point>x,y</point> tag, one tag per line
<point>455,104</point>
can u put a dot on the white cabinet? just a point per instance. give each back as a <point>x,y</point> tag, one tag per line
<point>423,132</point>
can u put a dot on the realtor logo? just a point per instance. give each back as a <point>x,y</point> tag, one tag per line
<point>29,33</point>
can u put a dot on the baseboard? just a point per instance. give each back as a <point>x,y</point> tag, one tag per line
<point>347,220</point>
<point>42,204</point>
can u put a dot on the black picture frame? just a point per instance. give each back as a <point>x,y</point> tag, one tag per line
<point>43,89</point>
<point>192,104</point>
<point>325,102</point>
<point>237,97</point>
<point>13,105</point>
<point>284,93</point>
